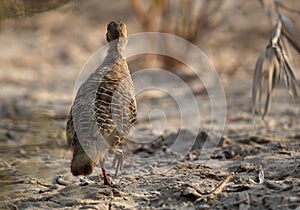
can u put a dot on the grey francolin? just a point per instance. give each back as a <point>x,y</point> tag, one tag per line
<point>104,109</point>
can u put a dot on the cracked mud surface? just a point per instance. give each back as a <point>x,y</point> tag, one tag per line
<point>40,61</point>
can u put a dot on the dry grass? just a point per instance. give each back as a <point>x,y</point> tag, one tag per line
<point>189,19</point>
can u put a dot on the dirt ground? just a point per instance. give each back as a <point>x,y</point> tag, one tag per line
<point>249,168</point>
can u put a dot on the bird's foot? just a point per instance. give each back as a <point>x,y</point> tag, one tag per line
<point>107,180</point>
<point>118,159</point>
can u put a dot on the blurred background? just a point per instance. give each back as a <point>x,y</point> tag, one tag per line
<point>44,47</point>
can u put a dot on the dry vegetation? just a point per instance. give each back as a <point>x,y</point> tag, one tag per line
<point>274,63</point>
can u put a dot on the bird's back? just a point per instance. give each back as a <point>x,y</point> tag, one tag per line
<point>102,113</point>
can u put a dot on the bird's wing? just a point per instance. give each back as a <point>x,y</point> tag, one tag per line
<point>82,125</point>
<point>115,102</point>
<point>104,107</point>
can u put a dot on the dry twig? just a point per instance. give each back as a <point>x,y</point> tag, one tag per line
<point>261,175</point>
<point>221,186</point>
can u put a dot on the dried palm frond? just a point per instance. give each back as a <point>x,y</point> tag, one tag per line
<point>273,65</point>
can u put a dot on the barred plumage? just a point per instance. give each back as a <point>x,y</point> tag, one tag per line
<point>104,108</point>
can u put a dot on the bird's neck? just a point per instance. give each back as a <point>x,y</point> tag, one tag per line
<point>116,50</point>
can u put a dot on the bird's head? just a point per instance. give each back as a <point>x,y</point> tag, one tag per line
<point>116,30</point>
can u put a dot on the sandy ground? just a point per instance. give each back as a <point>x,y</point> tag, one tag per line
<point>41,58</point>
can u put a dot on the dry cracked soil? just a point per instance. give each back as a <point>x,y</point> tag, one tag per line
<point>238,166</point>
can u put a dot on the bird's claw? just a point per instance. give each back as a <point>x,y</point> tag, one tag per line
<point>118,159</point>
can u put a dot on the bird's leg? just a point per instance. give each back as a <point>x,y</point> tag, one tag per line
<point>119,159</point>
<point>107,181</point>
